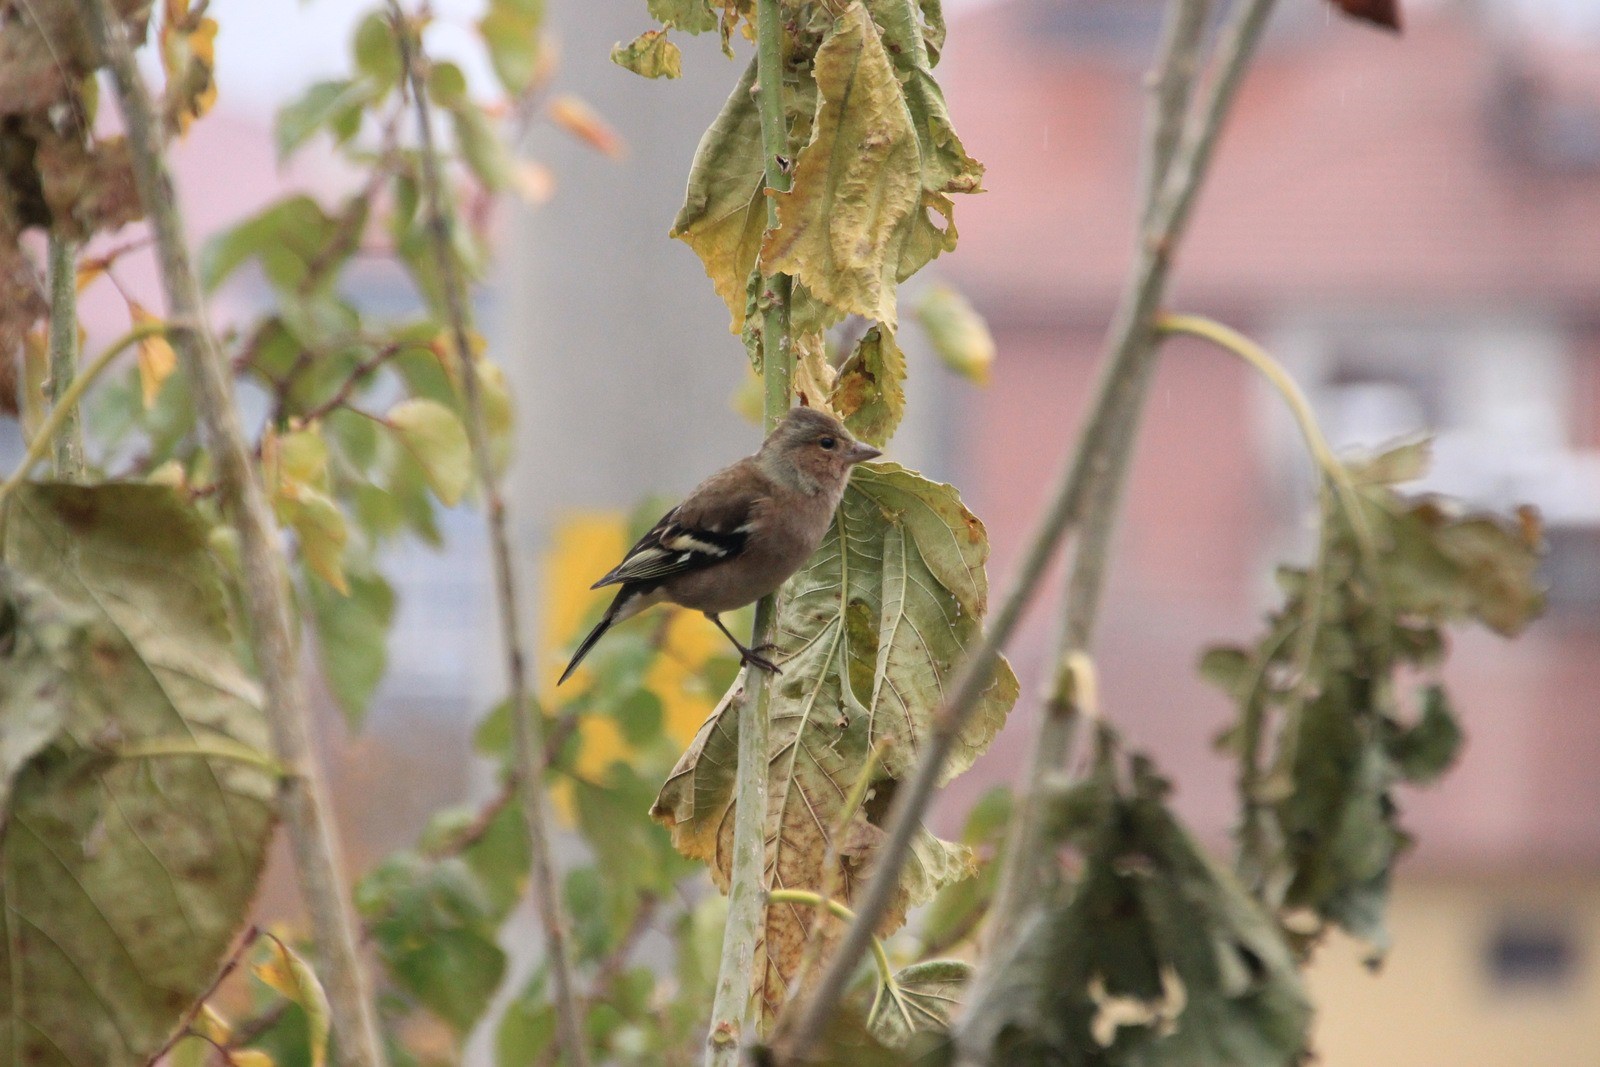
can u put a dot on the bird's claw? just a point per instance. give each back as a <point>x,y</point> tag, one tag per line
<point>750,657</point>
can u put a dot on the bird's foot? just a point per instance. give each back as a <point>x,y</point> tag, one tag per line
<point>752,657</point>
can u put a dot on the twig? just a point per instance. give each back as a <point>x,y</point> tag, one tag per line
<point>1170,84</point>
<point>266,581</point>
<point>64,355</point>
<point>1116,402</point>
<point>527,719</point>
<point>731,1020</point>
<point>353,381</point>
<point>229,965</point>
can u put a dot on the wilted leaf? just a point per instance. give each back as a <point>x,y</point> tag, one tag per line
<point>868,634</point>
<point>39,645</point>
<point>285,971</point>
<point>954,915</point>
<point>432,433</point>
<point>960,337</point>
<point>870,394</point>
<point>127,878</point>
<point>926,996</point>
<point>855,181</point>
<point>691,16</point>
<point>724,213</point>
<point>1385,13</point>
<point>650,54</point>
<point>188,53</point>
<point>1156,957</point>
<point>1425,750</point>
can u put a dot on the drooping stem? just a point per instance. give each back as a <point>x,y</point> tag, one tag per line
<point>67,401</point>
<point>1115,405</point>
<point>732,1024</point>
<point>265,577</point>
<point>526,717</point>
<point>1170,85</point>
<point>64,355</point>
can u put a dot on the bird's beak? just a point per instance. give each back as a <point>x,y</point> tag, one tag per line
<point>860,453</point>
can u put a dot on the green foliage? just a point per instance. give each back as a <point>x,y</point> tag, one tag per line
<point>139,807</point>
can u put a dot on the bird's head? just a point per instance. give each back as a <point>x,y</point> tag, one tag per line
<point>812,451</point>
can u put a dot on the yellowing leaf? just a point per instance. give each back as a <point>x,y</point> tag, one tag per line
<point>296,469</point>
<point>870,394</point>
<point>958,333</point>
<point>650,55</point>
<point>584,122</point>
<point>188,52</point>
<point>250,1057</point>
<point>432,433</point>
<point>532,181</point>
<point>855,182</point>
<point>157,360</point>
<point>499,413</point>
<point>285,971</point>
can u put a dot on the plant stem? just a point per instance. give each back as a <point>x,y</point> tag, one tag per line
<point>64,355</point>
<point>67,402</point>
<point>266,581</point>
<point>1170,83</point>
<point>1116,404</point>
<point>527,717</point>
<point>732,1024</point>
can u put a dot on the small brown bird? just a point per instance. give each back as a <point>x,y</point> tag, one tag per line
<point>742,532</point>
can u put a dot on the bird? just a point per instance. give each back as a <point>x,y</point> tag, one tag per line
<point>741,533</point>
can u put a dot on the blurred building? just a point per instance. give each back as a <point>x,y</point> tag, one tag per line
<point>1411,224</point>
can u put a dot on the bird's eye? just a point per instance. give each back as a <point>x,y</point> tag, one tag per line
<point>827,442</point>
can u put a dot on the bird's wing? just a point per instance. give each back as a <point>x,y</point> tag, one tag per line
<point>706,529</point>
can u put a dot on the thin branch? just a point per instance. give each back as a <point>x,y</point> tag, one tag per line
<point>1116,403</point>
<point>266,581</point>
<point>229,965</point>
<point>526,717</point>
<point>1170,85</point>
<point>352,382</point>
<point>732,1025</point>
<point>64,355</point>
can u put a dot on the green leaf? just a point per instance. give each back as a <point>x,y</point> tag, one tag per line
<point>854,183</point>
<point>376,53</point>
<point>353,639</point>
<point>955,913</point>
<point>125,878</point>
<point>286,237</point>
<point>870,393</point>
<point>650,54</point>
<point>959,336</point>
<point>336,105</point>
<point>481,146</point>
<point>511,35</point>
<point>432,433</point>
<point>869,635</point>
<point>1156,958</point>
<point>434,926</point>
<point>527,1030</point>
<point>447,85</point>
<point>924,997</point>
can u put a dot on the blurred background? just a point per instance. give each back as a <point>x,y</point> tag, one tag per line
<point>1411,224</point>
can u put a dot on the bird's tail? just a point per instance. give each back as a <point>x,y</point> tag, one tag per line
<point>600,628</point>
